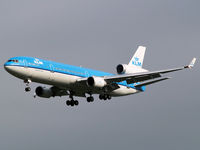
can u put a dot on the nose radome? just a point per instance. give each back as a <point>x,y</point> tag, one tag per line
<point>11,69</point>
<point>14,70</point>
<point>6,68</point>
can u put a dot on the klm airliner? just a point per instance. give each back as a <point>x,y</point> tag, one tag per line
<point>67,80</point>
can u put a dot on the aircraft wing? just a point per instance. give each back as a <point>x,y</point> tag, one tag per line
<point>143,76</point>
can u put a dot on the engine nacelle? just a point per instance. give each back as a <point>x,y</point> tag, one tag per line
<point>43,92</point>
<point>96,82</point>
<point>123,68</point>
<point>126,69</point>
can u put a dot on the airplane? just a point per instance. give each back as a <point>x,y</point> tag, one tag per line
<point>68,80</point>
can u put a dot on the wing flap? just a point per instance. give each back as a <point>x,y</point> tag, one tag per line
<point>112,86</point>
<point>142,78</point>
<point>151,82</point>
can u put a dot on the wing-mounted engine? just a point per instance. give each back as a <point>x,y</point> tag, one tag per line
<point>49,92</point>
<point>98,82</point>
<point>44,92</point>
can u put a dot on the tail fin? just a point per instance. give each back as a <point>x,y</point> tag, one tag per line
<point>138,57</point>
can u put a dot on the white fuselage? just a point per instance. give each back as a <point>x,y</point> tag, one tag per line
<point>64,81</point>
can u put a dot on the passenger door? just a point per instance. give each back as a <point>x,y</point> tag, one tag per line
<point>26,69</point>
<point>51,77</point>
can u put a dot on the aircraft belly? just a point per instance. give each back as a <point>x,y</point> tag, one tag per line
<point>63,79</point>
<point>123,90</point>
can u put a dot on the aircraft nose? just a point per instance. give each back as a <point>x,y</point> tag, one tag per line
<point>6,67</point>
<point>10,69</point>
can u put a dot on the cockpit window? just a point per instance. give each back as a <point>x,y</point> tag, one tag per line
<point>16,61</point>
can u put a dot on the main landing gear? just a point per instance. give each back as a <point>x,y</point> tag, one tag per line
<point>90,99</point>
<point>27,82</point>
<point>72,102</point>
<point>104,97</point>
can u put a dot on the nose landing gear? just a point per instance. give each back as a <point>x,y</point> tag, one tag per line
<point>27,89</point>
<point>27,82</point>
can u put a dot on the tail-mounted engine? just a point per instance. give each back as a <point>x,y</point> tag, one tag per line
<point>123,68</point>
<point>126,69</point>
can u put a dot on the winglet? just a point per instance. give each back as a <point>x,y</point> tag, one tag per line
<point>191,65</point>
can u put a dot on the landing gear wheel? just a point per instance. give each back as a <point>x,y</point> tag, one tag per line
<point>68,103</point>
<point>100,97</point>
<point>72,103</point>
<point>76,102</point>
<point>105,97</point>
<point>27,82</point>
<point>109,97</point>
<point>27,89</point>
<point>90,99</point>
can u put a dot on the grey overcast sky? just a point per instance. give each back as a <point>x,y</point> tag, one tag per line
<point>100,34</point>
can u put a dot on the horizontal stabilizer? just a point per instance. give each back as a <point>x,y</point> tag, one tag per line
<point>151,82</point>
